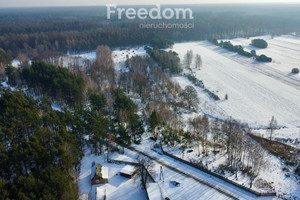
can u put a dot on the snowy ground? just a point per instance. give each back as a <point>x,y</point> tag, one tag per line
<point>285,51</point>
<point>256,91</point>
<point>117,188</point>
<point>271,172</point>
<point>119,55</point>
<point>120,188</point>
<point>191,189</point>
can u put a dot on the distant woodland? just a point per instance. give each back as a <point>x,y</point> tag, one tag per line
<point>77,29</point>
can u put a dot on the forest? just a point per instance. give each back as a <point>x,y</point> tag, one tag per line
<point>84,28</point>
<point>38,153</point>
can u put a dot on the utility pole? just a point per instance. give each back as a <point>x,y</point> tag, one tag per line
<point>161,176</point>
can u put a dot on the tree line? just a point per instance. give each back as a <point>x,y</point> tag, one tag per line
<point>228,138</point>
<point>37,33</point>
<point>240,50</point>
<point>55,82</point>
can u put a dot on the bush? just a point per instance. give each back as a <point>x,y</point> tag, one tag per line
<point>195,81</point>
<point>215,42</point>
<point>263,58</point>
<point>295,71</point>
<point>260,43</point>
<point>245,53</point>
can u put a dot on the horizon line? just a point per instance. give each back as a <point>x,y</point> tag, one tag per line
<point>103,5</point>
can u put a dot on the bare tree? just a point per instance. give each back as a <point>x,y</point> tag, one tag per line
<point>204,129</point>
<point>103,71</point>
<point>145,166</point>
<point>272,126</point>
<point>110,143</point>
<point>23,58</point>
<point>257,162</point>
<point>188,58</point>
<point>200,127</point>
<point>215,132</point>
<point>198,61</point>
<point>191,96</point>
<point>196,123</point>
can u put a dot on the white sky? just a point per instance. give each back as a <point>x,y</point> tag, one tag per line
<point>29,3</point>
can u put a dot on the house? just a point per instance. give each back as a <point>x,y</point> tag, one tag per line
<point>128,171</point>
<point>99,174</point>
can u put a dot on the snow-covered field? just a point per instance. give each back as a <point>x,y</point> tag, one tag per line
<point>256,91</point>
<point>285,51</point>
<point>119,55</point>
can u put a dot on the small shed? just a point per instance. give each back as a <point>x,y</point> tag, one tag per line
<point>99,174</point>
<point>128,171</point>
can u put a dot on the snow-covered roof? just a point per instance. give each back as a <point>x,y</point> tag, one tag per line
<point>153,191</point>
<point>100,193</point>
<point>104,172</point>
<point>99,171</point>
<point>128,169</point>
